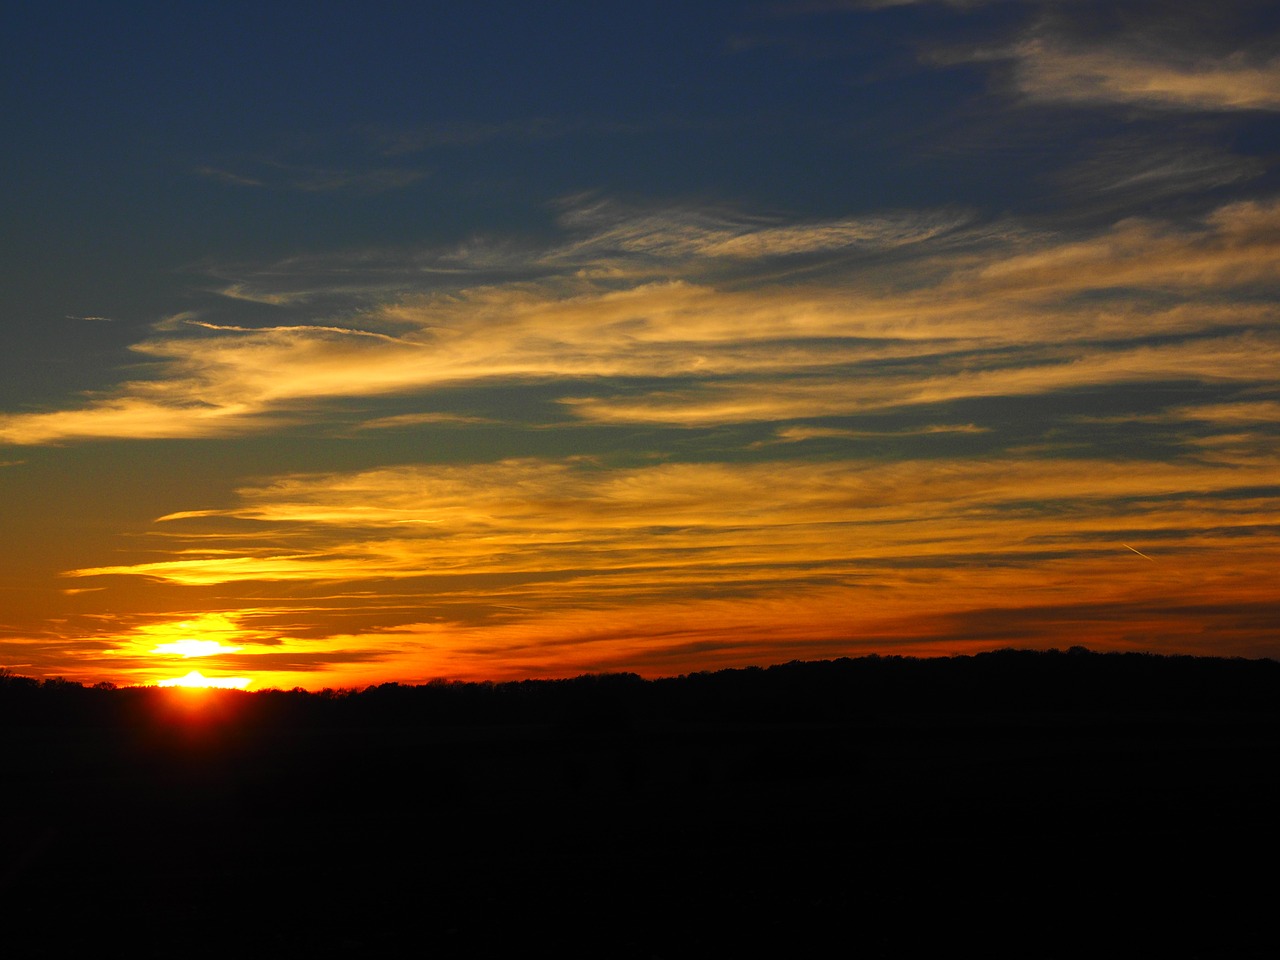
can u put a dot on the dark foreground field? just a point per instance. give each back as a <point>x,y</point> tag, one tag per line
<point>1012,804</point>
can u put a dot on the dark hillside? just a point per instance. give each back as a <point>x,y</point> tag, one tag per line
<point>1014,804</point>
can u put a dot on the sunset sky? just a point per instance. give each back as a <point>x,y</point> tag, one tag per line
<point>391,342</point>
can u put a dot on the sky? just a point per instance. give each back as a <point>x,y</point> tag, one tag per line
<point>394,342</point>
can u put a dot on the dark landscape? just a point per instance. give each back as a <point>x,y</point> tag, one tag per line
<point>1031,804</point>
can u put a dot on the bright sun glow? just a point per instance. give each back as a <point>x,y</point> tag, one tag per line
<point>196,679</point>
<point>194,648</point>
<point>156,646</point>
<point>199,636</point>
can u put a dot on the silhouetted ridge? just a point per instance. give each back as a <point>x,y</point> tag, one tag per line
<point>1014,804</point>
<point>1006,682</point>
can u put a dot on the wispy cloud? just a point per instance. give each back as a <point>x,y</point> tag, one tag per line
<point>583,533</point>
<point>226,176</point>
<point>800,433</point>
<point>1057,71</point>
<point>400,421</point>
<point>1266,412</point>
<point>684,232</point>
<point>1155,56</point>
<point>277,175</point>
<point>1142,169</point>
<point>571,554</point>
<point>952,320</point>
<point>1243,359</point>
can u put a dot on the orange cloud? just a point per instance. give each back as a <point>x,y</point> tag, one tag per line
<point>550,567</point>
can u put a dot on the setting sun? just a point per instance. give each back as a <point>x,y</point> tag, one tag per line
<point>196,679</point>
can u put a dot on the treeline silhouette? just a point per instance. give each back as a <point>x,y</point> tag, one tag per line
<point>1004,683</point>
<point>1054,804</point>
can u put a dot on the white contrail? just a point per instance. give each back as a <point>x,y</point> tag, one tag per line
<point>1138,552</point>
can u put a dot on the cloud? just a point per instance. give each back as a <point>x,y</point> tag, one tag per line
<point>1160,56</point>
<point>711,520</point>
<point>271,174</point>
<point>1056,71</point>
<point>1265,412</point>
<point>1140,170</point>
<point>226,176</point>
<point>965,313</point>
<point>1245,359</point>
<point>542,566</point>
<point>134,417</point>
<point>237,381</point>
<point>685,232</point>
<point>401,421</point>
<point>352,279</point>
<point>800,433</point>
<point>1155,56</point>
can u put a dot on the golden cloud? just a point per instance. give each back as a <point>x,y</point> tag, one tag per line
<point>683,524</point>
<point>990,317</point>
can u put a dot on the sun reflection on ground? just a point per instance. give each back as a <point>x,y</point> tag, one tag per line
<point>196,679</point>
